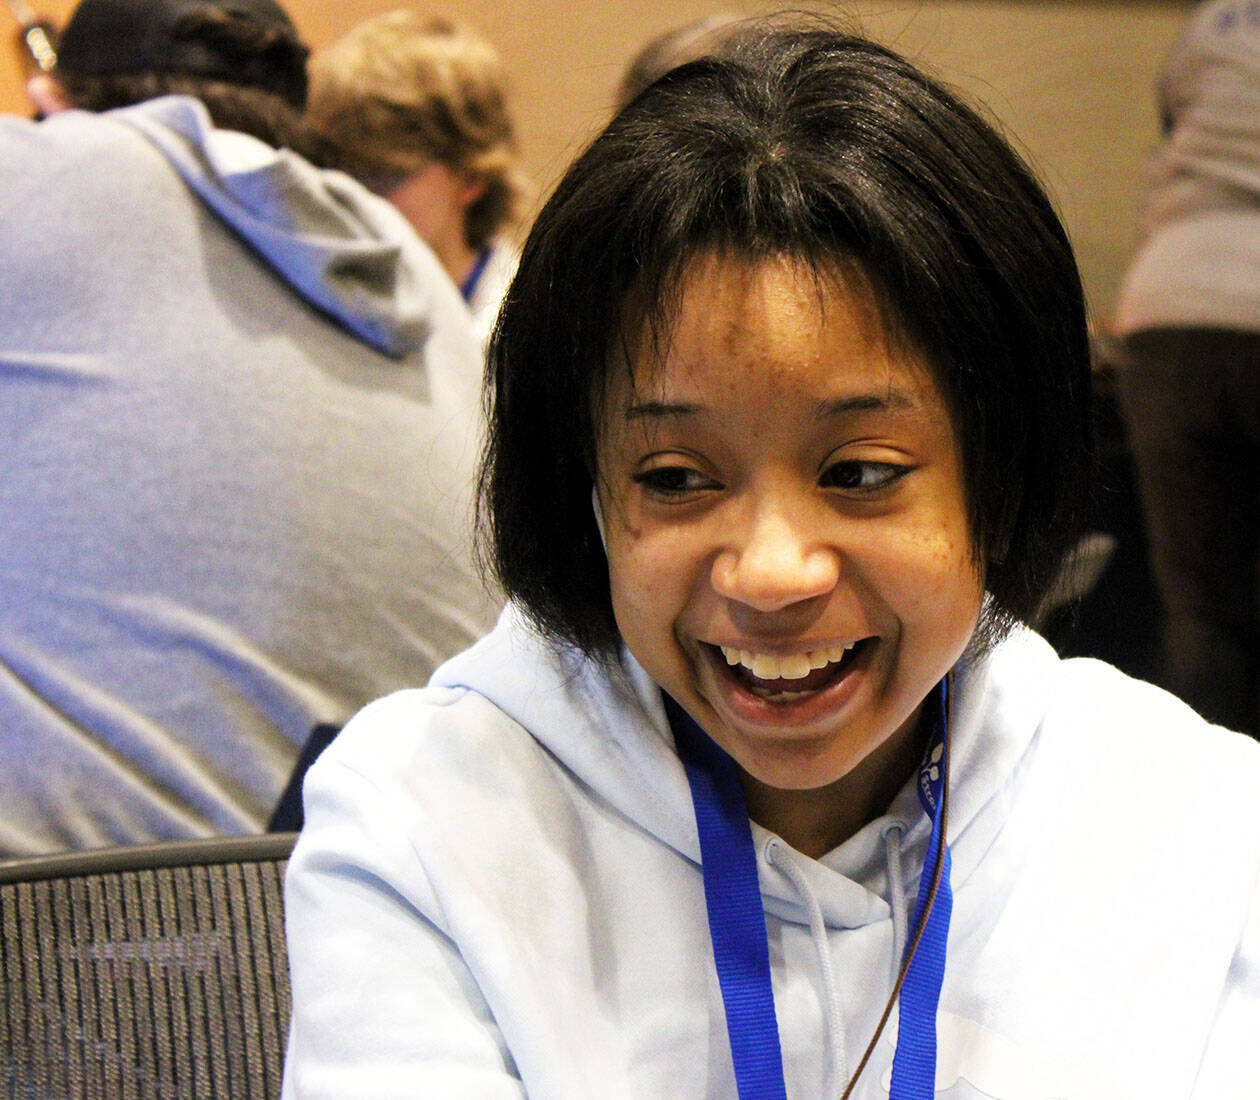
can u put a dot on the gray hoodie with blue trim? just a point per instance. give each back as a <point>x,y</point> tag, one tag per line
<point>238,408</point>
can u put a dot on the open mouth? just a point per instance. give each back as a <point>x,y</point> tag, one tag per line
<point>787,679</point>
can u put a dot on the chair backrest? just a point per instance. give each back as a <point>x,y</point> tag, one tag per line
<point>154,971</point>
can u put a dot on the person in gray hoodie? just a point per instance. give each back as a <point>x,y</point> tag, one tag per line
<point>239,418</point>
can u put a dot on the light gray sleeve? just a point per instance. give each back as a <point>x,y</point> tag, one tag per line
<point>1231,1060</point>
<point>384,1005</point>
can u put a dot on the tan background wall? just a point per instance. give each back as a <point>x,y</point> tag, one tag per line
<point>1070,80</point>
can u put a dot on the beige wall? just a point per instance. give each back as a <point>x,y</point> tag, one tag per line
<point>1070,80</point>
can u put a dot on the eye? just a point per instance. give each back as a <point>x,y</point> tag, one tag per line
<point>673,481</point>
<point>862,477</point>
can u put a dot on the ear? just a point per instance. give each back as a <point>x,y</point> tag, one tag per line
<point>46,94</point>
<point>470,191</point>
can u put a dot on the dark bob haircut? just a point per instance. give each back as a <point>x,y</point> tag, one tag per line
<point>807,143</point>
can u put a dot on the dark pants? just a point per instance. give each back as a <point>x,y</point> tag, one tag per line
<point>1192,401</point>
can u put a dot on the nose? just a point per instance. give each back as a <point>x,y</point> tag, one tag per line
<point>774,563</point>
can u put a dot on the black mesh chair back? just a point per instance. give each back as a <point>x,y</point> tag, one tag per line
<point>156,971</point>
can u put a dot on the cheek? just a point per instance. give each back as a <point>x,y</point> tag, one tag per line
<point>651,583</point>
<point>635,574</point>
<point>931,578</point>
<point>950,594</point>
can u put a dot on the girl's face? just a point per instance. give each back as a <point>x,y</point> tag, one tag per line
<point>785,517</point>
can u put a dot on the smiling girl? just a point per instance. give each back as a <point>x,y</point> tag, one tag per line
<point>761,788</point>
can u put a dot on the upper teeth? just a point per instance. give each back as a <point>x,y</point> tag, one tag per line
<point>796,666</point>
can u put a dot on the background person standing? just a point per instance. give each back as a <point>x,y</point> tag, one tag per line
<point>1189,312</point>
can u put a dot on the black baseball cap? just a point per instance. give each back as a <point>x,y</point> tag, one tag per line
<point>108,37</point>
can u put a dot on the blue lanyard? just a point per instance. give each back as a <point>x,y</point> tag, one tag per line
<point>737,924</point>
<point>737,920</point>
<point>470,282</point>
<point>914,1063</point>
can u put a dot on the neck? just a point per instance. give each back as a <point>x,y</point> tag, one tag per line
<point>819,819</point>
<point>430,200</point>
<point>460,261</point>
<point>456,257</point>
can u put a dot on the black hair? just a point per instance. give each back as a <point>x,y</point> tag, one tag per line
<point>804,142</point>
<point>253,111</point>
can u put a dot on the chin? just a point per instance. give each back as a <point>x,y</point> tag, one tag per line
<point>796,768</point>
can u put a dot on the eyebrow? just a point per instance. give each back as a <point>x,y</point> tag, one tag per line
<point>840,406</point>
<point>866,402</point>
<point>660,410</point>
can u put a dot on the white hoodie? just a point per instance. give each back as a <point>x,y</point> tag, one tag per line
<point>498,894</point>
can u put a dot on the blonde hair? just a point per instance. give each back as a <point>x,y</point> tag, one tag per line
<point>402,91</point>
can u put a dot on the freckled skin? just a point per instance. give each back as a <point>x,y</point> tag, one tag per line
<point>779,479</point>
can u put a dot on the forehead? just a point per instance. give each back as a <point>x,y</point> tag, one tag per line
<point>768,329</point>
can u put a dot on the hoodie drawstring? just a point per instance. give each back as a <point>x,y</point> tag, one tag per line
<point>778,855</point>
<point>892,834</point>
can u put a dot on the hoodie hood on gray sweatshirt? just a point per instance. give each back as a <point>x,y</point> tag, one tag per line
<point>344,251</point>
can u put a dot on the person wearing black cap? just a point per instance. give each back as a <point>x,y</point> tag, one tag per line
<point>239,401</point>
<point>242,58</point>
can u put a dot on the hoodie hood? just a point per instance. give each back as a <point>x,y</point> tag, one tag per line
<point>346,251</point>
<point>608,726</point>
